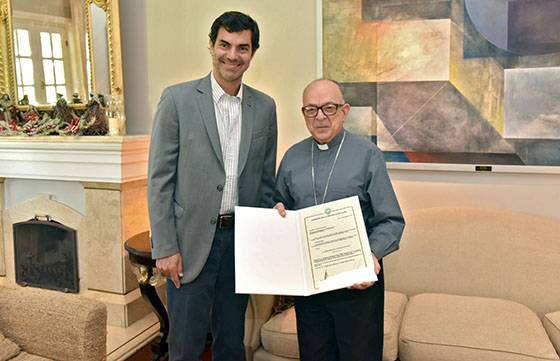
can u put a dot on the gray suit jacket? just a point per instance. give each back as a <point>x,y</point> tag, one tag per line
<point>186,171</point>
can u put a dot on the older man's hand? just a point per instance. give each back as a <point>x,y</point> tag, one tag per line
<point>281,209</point>
<point>171,267</point>
<point>364,285</point>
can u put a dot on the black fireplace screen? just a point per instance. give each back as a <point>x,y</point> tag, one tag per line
<point>46,255</point>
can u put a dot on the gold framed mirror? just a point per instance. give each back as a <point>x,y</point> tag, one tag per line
<point>60,46</point>
<point>7,82</point>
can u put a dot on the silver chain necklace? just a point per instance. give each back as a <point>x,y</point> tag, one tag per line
<point>330,172</point>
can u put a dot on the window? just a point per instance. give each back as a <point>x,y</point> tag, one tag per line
<point>41,67</point>
<point>53,65</point>
<point>24,65</point>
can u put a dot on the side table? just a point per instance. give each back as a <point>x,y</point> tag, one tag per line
<point>140,255</point>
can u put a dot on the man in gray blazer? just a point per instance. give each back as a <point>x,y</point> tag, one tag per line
<point>213,147</point>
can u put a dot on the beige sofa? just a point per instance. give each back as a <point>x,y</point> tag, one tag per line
<point>38,325</point>
<point>467,284</point>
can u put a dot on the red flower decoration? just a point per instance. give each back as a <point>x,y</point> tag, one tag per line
<point>73,127</point>
<point>14,125</point>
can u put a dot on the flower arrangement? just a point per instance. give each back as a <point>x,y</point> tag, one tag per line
<point>61,120</point>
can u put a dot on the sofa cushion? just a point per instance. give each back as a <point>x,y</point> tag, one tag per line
<point>262,355</point>
<point>8,349</point>
<point>551,322</point>
<point>394,309</point>
<point>478,252</point>
<point>447,327</point>
<point>279,334</point>
<point>24,356</point>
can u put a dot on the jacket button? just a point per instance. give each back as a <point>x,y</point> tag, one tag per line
<point>220,187</point>
<point>213,220</point>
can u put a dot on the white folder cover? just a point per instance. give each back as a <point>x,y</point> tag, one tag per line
<point>311,250</point>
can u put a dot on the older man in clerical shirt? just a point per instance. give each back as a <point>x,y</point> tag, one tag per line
<point>332,164</point>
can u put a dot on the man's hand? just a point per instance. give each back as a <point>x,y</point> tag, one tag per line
<point>171,267</point>
<point>281,209</point>
<point>364,285</point>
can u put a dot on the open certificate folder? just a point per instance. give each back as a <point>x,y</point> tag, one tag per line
<point>312,250</point>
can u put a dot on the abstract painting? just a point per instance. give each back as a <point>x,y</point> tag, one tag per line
<point>449,81</point>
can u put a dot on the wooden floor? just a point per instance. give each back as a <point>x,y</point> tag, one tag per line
<point>145,354</point>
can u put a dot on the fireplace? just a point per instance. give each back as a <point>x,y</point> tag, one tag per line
<point>94,190</point>
<point>46,255</point>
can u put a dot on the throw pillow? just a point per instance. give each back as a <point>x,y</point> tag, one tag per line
<point>8,349</point>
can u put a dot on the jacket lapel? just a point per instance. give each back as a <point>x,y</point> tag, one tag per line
<point>247,120</point>
<point>206,107</point>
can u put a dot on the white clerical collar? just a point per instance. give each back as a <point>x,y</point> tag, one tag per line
<point>333,143</point>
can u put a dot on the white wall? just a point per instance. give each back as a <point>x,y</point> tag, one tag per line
<point>176,33</point>
<point>537,194</point>
<point>135,66</point>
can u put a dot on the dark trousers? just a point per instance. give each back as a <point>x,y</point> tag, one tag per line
<point>209,300</point>
<point>342,325</point>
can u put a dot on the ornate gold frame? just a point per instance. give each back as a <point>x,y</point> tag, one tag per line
<point>7,68</point>
<point>111,8</point>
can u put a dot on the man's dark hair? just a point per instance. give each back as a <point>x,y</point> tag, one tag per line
<point>234,22</point>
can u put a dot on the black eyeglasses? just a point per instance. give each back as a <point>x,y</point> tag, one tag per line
<point>311,111</point>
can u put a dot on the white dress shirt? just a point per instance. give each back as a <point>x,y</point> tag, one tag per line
<point>228,119</point>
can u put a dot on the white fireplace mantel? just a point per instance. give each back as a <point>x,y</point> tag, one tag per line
<point>110,159</point>
<point>93,184</point>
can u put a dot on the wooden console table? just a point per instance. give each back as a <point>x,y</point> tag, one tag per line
<point>140,255</point>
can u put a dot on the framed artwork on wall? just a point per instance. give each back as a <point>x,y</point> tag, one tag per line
<point>449,81</point>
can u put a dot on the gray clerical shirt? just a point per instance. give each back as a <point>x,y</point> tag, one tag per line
<point>359,170</point>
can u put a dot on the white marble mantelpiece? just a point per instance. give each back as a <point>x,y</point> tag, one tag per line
<point>107,159</point>
<point>93,184</point>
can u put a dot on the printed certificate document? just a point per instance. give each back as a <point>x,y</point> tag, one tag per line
<point>312,250</point>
